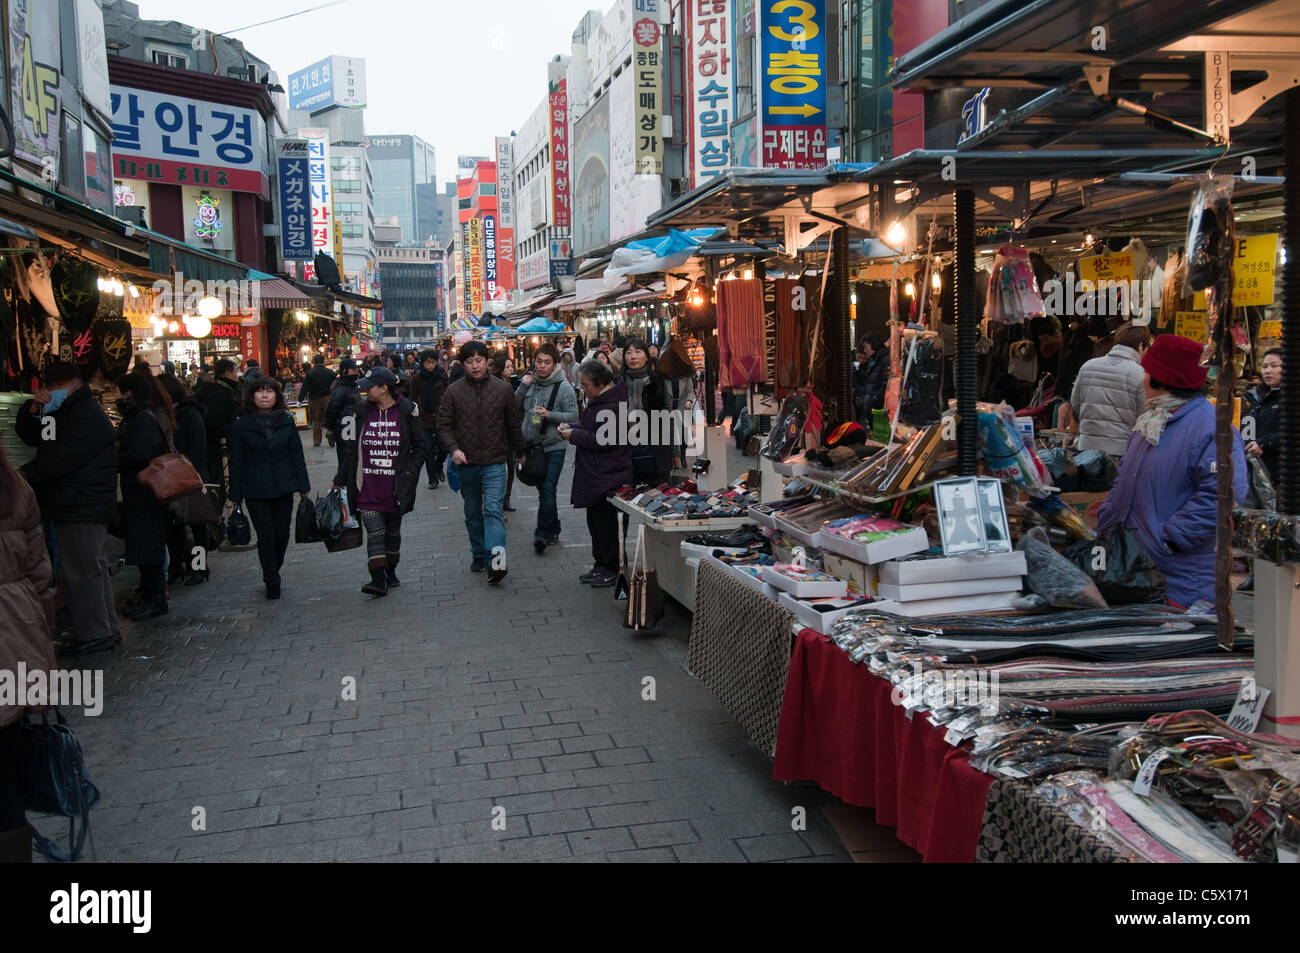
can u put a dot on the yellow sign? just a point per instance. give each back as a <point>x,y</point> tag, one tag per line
<point>1190,324</point>
<point>1252,270</point>
<point>1270,330</point>
<point>1117,267</point>
<point>1198,301</point>
<point>1236,410</point>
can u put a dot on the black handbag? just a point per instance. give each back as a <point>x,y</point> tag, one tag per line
<point>304,524</point>
<point>238,529</point>
<point>533,472</point>
<point>55,781</point>
<point>200,508</point>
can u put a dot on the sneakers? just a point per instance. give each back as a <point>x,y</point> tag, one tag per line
<point>593,573</point>
<point>603,580</point>
<point>478,565</point>
<point>75,649</point>
<point>506,507</point>
<point>495,576</point>
<point>552,541</point>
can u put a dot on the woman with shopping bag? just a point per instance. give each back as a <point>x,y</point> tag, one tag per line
<point>387,451</point>
<point>266,468</point>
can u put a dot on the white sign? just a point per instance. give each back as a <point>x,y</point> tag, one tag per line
<point>94,57</point>
<point>711,83</point>
<point>505,184</point>
<point>334,81</point>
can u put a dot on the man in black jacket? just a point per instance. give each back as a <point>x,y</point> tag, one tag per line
<point>342,402</point>
<point>426,390</point>
<point>319,381</point>
<point>218,399</point>
<point>74,475</point>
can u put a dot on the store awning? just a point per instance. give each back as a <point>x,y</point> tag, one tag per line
<point>648,293</point>
<point>277,293</point>
<point>557,304</point>
<point>354,299</point>
<point>168,256</point>
<point>531,304</point>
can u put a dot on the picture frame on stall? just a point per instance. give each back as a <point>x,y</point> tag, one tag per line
<point>961,523</point>
<point>993,514</point>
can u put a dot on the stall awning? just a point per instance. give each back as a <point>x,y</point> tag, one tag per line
<point>648,293</point>
<point>276,292</point>
<point>167,256</point>
<point>531,304</point>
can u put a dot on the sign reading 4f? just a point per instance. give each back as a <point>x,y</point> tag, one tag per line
<point>40,92</point>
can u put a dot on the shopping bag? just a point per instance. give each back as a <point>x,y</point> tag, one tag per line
<point>645,603</point>
<point>200,508</point>
<point>238,529</point>
<point>453,476</point>
<point>304,524</point>
<point>53,779</point>
<point>329,515</point>
<point>1119,564</point>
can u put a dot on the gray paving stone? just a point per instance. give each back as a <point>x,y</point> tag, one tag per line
<point>601,842</point>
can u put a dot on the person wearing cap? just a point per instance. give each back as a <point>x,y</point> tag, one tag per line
<point>1167,489</point>
<point>343,398</point>
<point>479,425</point>
<point>318,381</point>
<point>387,452</point>
<point>74,475</point>
<point>266,467</point>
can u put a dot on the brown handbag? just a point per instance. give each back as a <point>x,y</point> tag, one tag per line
<point>170,476</point>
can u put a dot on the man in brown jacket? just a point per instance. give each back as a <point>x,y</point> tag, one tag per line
<point>478,424</point>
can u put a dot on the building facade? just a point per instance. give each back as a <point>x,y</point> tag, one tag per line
<point>411,277</point>
<point>401,165</point>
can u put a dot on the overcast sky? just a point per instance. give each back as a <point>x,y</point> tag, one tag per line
<point>456,74</point>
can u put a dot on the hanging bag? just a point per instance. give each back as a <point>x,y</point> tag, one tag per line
<point>645,603</point>
<point>54,780</point>
<point>304,524</point>
<point>621,588</point>
<point>533,472</point>
<point>170,476</point>
<point>200,508</point>
<point>238,529</point>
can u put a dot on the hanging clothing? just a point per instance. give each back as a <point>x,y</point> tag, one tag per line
<point>741,354</point>
<point>791,341</point>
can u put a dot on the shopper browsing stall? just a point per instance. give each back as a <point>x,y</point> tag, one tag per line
<point>1264,409</point>
<point>651,457</point>
<point>1109,395</point>
<point>1167,488</point>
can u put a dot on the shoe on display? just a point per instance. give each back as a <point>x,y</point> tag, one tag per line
<point>478,565</point>
<point>74,649</point>
<point>146,610</point>
<point>495,576</point>
<point>604,580</point>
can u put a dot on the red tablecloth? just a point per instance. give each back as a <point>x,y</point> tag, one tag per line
<point>840,729</point>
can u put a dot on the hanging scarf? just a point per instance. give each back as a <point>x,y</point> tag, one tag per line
<point>265,422</point>
<point>1151,424</point>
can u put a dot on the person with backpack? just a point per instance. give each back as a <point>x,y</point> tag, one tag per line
<point>546,400</point>
<point>387,453</point>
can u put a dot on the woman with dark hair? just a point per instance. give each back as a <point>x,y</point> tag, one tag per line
<point>266,468</point>
<point>651,456</point>
<point>26,639</point>
<point>504,368</point>
<point>1264,413</point>
<point>142,436</point>
<point>871,377</point>
<point>192,440</point>
<point>387,453</point>
<point>598,469</point>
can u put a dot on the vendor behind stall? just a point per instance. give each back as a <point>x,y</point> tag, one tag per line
<point>1167,489</point>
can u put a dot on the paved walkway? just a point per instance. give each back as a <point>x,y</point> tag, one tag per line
<point>488,724</point>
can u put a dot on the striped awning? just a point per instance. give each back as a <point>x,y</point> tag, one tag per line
<point>278,293</point>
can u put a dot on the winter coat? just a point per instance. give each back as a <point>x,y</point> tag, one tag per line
<point>318,382</point>
<point>1167,495</point>
<point>481,419</point>
<point>261,472</point>
<point>192,435</point>
<point>875,379</point>
<point>599,469</point>
<point>144,520</point>
<point>343,398</point>
<point>75,474</point>
<point>415,450</point>
<point>678,392</point>
<point>26,592</point>
<point>427,390</point>
<point>1108,397</point>
<point>1266,410</point>
<point>538,394</point>
<point>217,398</point>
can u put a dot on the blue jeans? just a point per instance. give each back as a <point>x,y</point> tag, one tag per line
<point>548,515</point>
<point>484,490</point>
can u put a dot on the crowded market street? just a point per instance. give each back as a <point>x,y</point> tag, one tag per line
<point>526,698</point>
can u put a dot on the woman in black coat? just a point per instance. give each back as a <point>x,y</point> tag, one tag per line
<point>191,440</point>
<point>266,468</point>
<point>140,438</point>
<point>652,459</point>
<point>598,469</point>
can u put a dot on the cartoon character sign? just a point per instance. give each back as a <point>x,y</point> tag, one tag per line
<point>207,224</point>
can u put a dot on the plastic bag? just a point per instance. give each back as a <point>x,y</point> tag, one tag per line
<point>238,529</point>
<point>1262,495</point>
<point>453,476</point>
<point>1208,223</point>
<point>920,389</point>
<point>1054,577</point>
<point>329,515</point>
<point>1003,449</point>
<point>1121,567</point>
<point>787,428</point>
<point>304,524</point>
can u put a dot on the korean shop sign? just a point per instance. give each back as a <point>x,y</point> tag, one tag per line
<point>295,201</point>
<point>648,69</point>
<point>711,83</point>
<point>163,137</point>
<point>792,73</point>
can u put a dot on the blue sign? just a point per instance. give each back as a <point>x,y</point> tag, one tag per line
<point>334,81</point>
<point>295,209</point>
<point>561,268</point>
<point>793,77</point>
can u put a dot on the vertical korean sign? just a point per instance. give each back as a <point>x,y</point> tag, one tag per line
<point>295,201</point>
<point>710,66</point>
<point>34,82</point>
<point>475,249</point>
<point>322,205</point>
<point>792,70</point>
<point>648,68</point>
<point>490,256</point>
<point>466,299</point>
<point>506,214</point>
<point>558,98</point>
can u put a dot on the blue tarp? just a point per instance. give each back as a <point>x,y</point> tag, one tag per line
<point>542,325</point>
<point>650,255</point>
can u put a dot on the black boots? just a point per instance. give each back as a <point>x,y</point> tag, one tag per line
<point>378,584</point>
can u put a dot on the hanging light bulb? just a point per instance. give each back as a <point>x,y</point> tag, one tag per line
<point>173,327</point>
<point>910,290</point>
<point>210,307</point>
<point>198,325</point>
<point>749,273</point>
<point>896,233</point>
<point>935,281</point>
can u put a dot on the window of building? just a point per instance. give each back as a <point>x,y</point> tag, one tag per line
<point>487,188</point>
<point>168,58</point>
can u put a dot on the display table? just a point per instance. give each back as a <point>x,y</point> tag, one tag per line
<point>740,650</point>
<point>663,540</point>
<point>840,728</point>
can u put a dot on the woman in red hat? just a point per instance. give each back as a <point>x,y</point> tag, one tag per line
<point>1167,491</point>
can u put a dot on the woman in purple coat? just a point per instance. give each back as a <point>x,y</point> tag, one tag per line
<point>1167,491</point>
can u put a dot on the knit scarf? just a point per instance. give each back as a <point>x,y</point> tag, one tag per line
<point>1151,424</point>
<point>266,421</point>
<point>636,381</point>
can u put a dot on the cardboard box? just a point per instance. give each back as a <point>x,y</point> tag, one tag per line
<point>820,615</point>
<point>813,539</point>
<point>1086,504</point>
<point>957,605</point>
<point>862,579</point>
<point>696,551</point>
<point>878,551</point>
<point>748,578</point>
<point>910,572</point>
<point>918,592</point>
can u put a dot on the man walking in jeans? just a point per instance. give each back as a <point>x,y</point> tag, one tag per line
<point>478,424</point>
<point>318,382</point>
